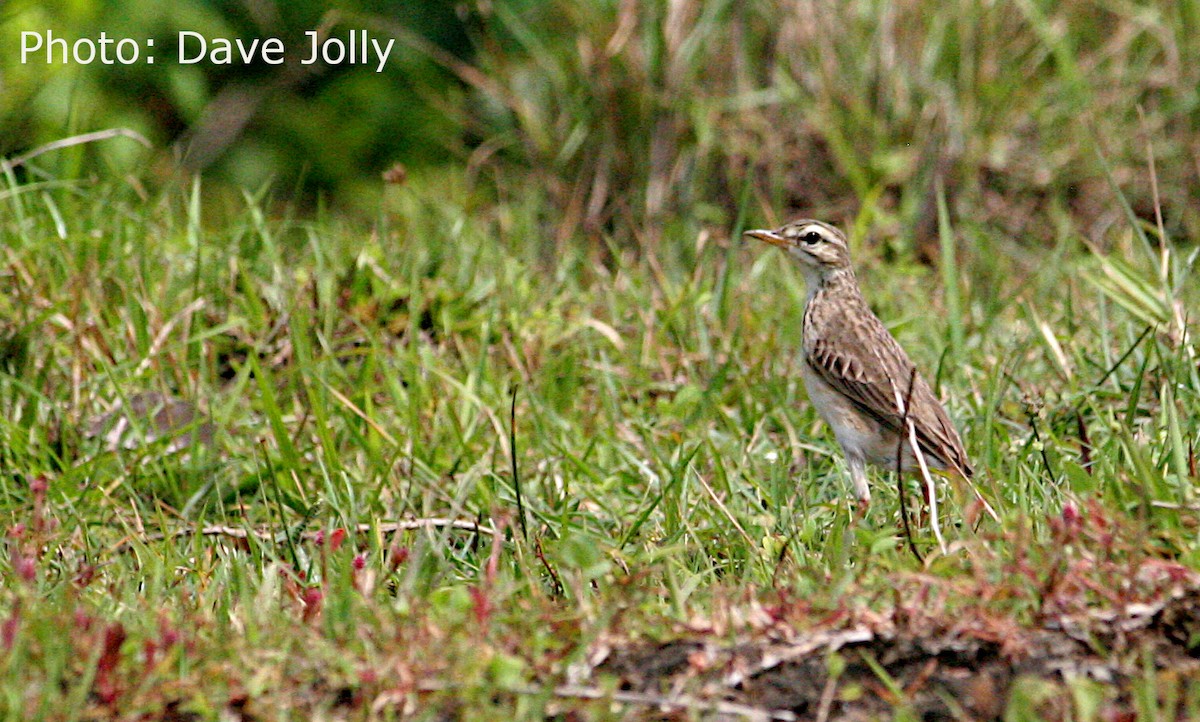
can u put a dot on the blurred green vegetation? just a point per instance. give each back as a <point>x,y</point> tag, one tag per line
<point>312,128</point>
<point>632,115</point>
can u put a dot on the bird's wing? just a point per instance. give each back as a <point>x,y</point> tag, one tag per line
<point>873,384</point>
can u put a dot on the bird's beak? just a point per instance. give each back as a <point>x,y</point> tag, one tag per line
<point>768,237</point>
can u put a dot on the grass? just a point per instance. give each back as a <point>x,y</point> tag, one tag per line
<point>668,464</point>
<point>604,399</point>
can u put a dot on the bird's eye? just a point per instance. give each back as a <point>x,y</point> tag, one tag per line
<point>812,237</point>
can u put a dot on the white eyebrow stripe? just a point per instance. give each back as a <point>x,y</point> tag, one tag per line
<point>811,228</point>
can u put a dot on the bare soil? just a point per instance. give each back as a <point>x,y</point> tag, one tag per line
<point>966,665</point>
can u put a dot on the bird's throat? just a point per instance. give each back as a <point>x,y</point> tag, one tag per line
<point>823,279</point>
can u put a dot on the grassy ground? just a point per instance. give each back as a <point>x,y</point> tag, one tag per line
<point>672,476</point>
<point>492,455</point>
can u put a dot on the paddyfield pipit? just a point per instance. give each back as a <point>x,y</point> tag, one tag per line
<point>857,376</point>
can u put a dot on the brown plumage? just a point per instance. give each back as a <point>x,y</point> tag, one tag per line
<point>857,376</point>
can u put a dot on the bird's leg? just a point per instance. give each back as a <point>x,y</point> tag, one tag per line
<point>858,476</point>
<point>923,517</point>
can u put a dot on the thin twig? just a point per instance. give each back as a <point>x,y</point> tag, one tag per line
<point>1111,370</point>
<point>160,339</point>
<point>1173,505</point>
<point>931,489</point>
<point>233,532</point>
<point>826,701</point>
<point>512,450</point>
<point>664,702</point>
<point>680,702</point>
<point>725,510</point>
<point>1192,458</point>
<point>1037,437</point>
<point>912,378</point>
<point>345,401</point>
<point>76,140</point>
<point>1085,443</point>
<point>559,589</point>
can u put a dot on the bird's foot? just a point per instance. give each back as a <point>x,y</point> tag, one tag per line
<point>864,505</point>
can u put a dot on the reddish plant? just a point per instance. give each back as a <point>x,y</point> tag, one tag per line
<point>313,598</point>
<point>481,605</point>
<point>107,686</point>
<point>8,629</point>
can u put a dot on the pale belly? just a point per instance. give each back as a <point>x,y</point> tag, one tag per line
<point>859,435</point>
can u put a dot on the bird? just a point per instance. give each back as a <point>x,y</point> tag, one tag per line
<point>857,376</point>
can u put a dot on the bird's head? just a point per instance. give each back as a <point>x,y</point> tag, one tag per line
<point>820,247</point>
